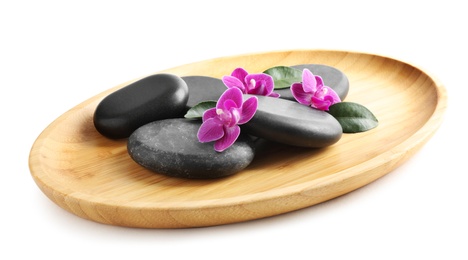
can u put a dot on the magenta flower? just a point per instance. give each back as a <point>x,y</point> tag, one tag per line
<point>221,123</point>
<point>256,84</point>
<point>312,92</point>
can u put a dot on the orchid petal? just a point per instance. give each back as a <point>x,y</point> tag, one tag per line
<point>320,104</point>
<point>332,95</point>
<point>228,104</point>
<point>233,82</point>
<point>319,81</point>
<point>300,95</point>
<point>209,113</point>
<point>210,130</point>
<point>248,110</point>
<point>309,82</point>
<point>239,73</point>
<point>234,94</point>
<point>230,136</point>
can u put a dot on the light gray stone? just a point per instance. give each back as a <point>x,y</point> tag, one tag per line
<point>171,147</point>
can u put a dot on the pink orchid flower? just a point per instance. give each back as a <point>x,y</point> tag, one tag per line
<point>256,84</point>
<point>312,92</point>
<point>221,123</point>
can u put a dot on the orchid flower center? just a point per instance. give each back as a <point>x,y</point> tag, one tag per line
<point>321,93</point>
<point>225,117</point>
<point>252,84</point>
<point>228,117</point>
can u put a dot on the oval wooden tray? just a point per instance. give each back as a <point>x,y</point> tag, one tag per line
<point>94,178</point>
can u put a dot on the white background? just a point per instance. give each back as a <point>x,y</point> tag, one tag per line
<point>56,54</point>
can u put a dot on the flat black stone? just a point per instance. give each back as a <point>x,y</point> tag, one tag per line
<point>291,123</point>
<point>171,147</point>
<point>203,88</point>
<point>332,77</point>
<point>155,97</point>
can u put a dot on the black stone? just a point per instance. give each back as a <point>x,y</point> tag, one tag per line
<point>171,147</point>
<point>155,97</point>
<point>203,88</point>
<point>332,77</point>
<point>291,123</point>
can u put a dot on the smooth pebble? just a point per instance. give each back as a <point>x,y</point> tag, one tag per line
<point>156,97</point>
<point>291,123</point>
<point>171,147</point>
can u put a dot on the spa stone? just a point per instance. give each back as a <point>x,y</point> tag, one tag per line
<point>203,88</point>
<point>171,147</point>
<point>156,97</point>
<point>291,123</point>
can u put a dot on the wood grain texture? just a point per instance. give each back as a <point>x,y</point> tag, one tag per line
<point>94,177</point>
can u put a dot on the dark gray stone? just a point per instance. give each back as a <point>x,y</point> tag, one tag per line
<point>203,88</point>
<point>291,123</point>
<point>171,147</point>
<point>155,97</point>
<point>332,77</point>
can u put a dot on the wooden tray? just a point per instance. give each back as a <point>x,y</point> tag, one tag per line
<point>94,177</point>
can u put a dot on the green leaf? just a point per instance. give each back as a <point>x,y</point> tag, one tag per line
<point>353,117</point>
<point>198,110</point>
<point>284,76</point>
